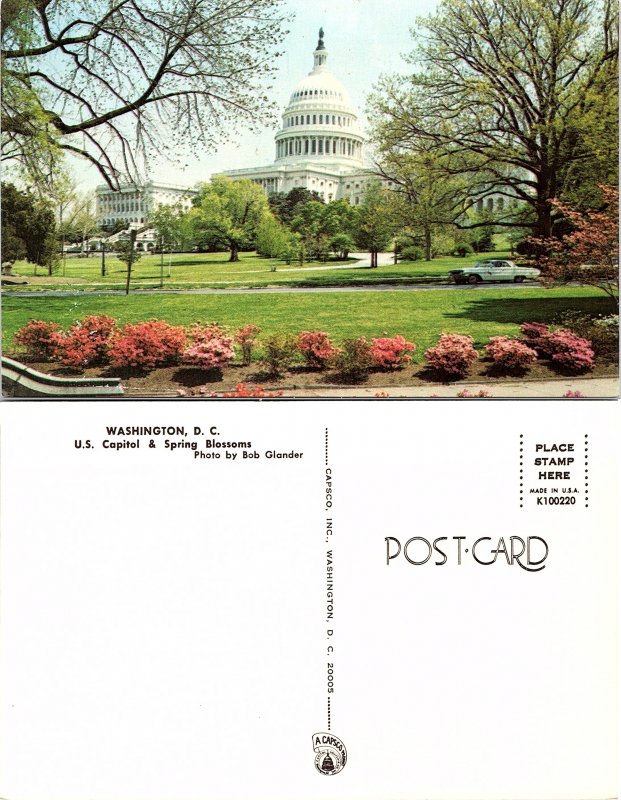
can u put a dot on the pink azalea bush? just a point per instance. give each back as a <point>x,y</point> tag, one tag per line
<point>246,337</point>
<point>510,355</point>
<point>573,393</point>
<point>392,353</point>
<point>146,345</point>
<point>570,351</point>
<point>86,342</point>
<point>452,355</point>
<point>41,339</point>
<point>316,348</point>
<point>210,347</point>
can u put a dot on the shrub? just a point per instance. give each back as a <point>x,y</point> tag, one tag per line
<point>510,355</point>
<point>279,351</point>
<point>573,393</point>
<point>411,253</point>
<point>354,358</point>
<point>41,339</point>
<point>146,345</point>
<point>246,337</point>
<point>534,334</point>
<point>205,332</point>
<point>211,354</point>
<point>392,353</point>
<point>86,342</point>
<point>570,351</point>
<point>210,347</point>
<point>246,390</point>
<point>462,250</point>
<point>602,332</point>
<point>316,348</point>
<point>452,355</point>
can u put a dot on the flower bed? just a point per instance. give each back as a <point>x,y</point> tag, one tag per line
<point>155,356</point>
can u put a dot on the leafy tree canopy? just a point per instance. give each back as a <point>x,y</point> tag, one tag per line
<point>227,213</point>
<point>513,94</point>
<point>287,206</point>
<point>119,81</point>
<point>28,227</point>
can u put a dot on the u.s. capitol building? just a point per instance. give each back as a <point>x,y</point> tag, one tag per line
<point>319,146</point>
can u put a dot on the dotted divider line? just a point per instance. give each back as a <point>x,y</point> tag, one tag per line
<point>586,470</point>
<point>329,711</point>
<point>521,470</point>
<point>326,446</point>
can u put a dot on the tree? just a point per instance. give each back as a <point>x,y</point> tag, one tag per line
<point>272,238</point>
<point>590,253</point>
<point>508,92</point>
<point>128,254</point>
<point>168,223</point>
<point>84,220</point>
<point>227,214</point>
<point>430,196</point>
<point>28,228</point>
<point>287,206</point>
<point>116,81</point>
<point>375,225</point>
<point>320,224</point>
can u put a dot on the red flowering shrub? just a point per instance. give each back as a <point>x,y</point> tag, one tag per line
<point>241,390</point>
<point>203,333</point>
<point>246,390</point>
<point>392,353</point>
<point>211,348</point>
<point>452,355</point>
<point>316,348</point>
<point>510,355</point>
<point>534,334</point>
<point>87,341</point>
<point>146,344</point>
<point>246,337</point>
<point>573,393</point>
<point>41,339</point>
<point>354,359</point>
<point>570,351</point>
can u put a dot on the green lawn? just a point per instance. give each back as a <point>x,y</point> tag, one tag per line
<point>213,270</point>
<point>419,315</point>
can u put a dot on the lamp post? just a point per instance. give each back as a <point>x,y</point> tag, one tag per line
<point>161,262</point>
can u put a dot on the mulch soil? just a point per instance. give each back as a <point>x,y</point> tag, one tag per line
<point>173,380</point>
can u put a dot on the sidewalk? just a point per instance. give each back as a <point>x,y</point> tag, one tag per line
<point>589,387</point>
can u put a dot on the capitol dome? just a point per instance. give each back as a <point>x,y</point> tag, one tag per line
<point>320,124</point>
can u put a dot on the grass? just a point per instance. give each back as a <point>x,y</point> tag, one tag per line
<point>418,315</point>
<point>213,270</point>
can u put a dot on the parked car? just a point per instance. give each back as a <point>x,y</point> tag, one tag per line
<point>493,269</point>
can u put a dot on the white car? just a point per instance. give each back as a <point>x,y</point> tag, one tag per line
<point>493,269</point>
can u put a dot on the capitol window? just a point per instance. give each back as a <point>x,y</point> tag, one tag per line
<point>321,119</point>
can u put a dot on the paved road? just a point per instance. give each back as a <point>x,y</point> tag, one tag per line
<point>511,287</point>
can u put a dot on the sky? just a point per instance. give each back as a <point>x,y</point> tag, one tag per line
<point>364,39</point>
